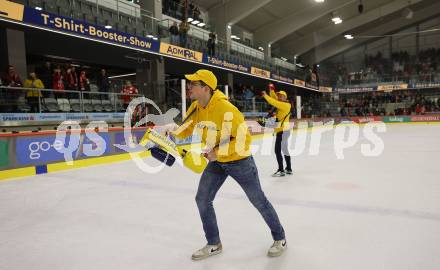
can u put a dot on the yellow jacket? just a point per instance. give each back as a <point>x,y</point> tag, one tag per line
<point>33,84</point>
<point>221,126</point>
<point>283,109</point>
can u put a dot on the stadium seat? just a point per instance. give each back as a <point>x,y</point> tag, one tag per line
<point>63,105</point>
<point>107,106</point>
<point>22,105</point>
<point>97,105</point>
<point>87,105</point>
<point>51,105</point>
<point>75,105</point>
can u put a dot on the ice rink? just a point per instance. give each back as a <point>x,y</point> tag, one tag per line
<point>362,213</point>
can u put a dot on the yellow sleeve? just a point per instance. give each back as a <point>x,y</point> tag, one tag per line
<point>39,84</point>
<point>27,84</point>
<point>187,128</point>
<point>273,94</point>
<point>238,129</point>
<point>284,106</point>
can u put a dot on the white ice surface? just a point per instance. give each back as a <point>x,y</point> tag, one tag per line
<point>357,213</point>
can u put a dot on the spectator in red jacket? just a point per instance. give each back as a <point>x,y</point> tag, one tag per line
<point>84,83</point>
<point>71,82</point>
<point>58,82</point>
<point>11,78</point>
<point>128,89</point>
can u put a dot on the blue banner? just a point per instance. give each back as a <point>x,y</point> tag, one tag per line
<point>40,150</point>
<point>120,139</point>
<point>80,28</point>
<point>59,117</point>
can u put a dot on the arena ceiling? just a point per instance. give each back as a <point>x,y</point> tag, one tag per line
<point>299,27</point>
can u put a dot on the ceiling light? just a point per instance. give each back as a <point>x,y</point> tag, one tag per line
<point>261,48</point>
<point>319,1</point>
<point>190,19</point>
<point>155,38</point>
<point>38,8</point>
<point>229,26</point>
<point>195,22</point>
<point>284,59</point>
<point>336,20</point>
<point>348,36</point>
<point>108,27</point>
<point>150,36</point>
<point>201,24</point>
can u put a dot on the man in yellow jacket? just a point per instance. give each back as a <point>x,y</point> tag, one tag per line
<point>32,95</point>
<point>226,136</point>
<point>282,132</point>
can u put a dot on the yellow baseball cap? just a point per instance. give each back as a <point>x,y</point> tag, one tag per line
<point>282,93</point>
<point>205,76</point>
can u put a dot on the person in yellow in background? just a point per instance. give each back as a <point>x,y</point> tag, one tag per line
<point>32,95</point>
<point>282,132</point>
<point>224,132</point>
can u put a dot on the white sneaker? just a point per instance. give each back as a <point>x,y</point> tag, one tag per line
<point>277,248</point>
<point>207,251</point>
<point>278,174</point>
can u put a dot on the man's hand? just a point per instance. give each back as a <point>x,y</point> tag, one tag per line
<point>263,93</point>
<point>211,155</point>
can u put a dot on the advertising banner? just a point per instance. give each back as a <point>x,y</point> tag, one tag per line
<point>11,10</point>
<point>325,89</point>
<point>4,153</point>
<point>59,117</point>
<point>396,119</point>
<point>425,85</point>
<point>226,64</point>
<point>367,119</point>
<point>391,87</point>
<point>425,118</point>
<point>180,52</point>
<point>260,72</point>
<point>39,150</point>
<point>354,89</point>
<point>281,78</point>
<point>299,82</point>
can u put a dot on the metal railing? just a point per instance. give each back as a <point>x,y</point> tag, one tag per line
<point>19,99</point>
<point>366,79</point>
<point>250,105</point>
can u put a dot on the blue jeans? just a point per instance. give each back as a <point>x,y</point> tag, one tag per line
<point>245,172</point>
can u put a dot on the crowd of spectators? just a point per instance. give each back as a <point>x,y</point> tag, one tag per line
<point>401,66</point>
<point>408,103</point>
<point>55,80</point>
